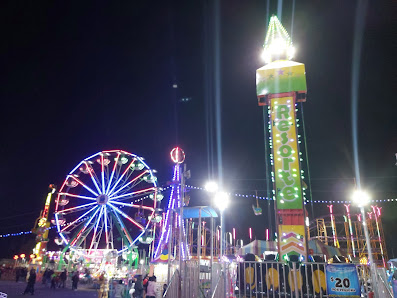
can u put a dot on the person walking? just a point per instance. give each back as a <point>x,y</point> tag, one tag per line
<point>138,287</point>
<point>63,277</point>
<point>75,280</point>
<point>151,287</point>
<point>31,282</point>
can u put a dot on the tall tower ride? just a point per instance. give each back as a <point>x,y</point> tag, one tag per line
<point>280,85</point>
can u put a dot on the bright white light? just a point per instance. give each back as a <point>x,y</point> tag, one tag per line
<point>360,198</point>
<point>221,200</point>
<point>141,261</point>
<point>211,186</point>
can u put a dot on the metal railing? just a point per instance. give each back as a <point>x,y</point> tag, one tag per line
<point>174,286</point>
<point>219,289</point>
<point>268,279</point>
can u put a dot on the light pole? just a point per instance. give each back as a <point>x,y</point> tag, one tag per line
<point>221,201</point>
<point>362,199</point>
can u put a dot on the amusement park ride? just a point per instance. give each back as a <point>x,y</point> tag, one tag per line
<point>109,203</point>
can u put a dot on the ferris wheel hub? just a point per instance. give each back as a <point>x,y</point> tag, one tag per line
<point>102,199</point>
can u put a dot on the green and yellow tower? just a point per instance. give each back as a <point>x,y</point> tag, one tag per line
<point>280,85</point>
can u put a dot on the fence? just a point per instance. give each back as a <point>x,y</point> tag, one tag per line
<point>268,279</point>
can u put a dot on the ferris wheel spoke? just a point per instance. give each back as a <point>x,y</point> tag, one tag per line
<point>102,174</point>
<point>132,181</point>
<point>77,196</point>
<point>121,227</point>
<point>94,179</point>
<point>126,216</point>
<point>75,208</point>
<point>85,186</point>
<point>122,175</point>
<point>96,227</point>
<point>84,227</point>
<point>105,216</point>
<point>79,218</point>
<point>135,193</point>
<point>133,205</point>
<point>112,174</point>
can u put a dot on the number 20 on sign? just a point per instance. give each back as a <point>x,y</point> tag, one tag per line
<point>342,280</point>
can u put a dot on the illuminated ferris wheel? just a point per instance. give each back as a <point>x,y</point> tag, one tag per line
<point>106,202</point>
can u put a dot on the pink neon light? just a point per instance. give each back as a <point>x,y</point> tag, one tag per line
<point>92,177</point>
<point>126,216</point>
<point>234,234</point>
<point>358,217</point>
<point>217,234</point>
<point>122,175</point>
<point>133,193</point>
<point>250,232</point>
<point>85,186</point>
<point>267,234</point>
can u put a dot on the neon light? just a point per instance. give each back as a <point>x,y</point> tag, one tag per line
<point>126,216</point>
<point>106,227</point>
<point>133,205</point>
<point>102,174</point>
<point>96,227</point>
<point>85,226</point>
<point>112,174</point>
<point>92,177</point>
<point>267,234</point>
<point>75,208</point>
<point>133,193</point>
<point>76,220</point>
<point>376,212</point>
<point>250,233</point>
<point>132,181</point>
<point>85,186</point>
<point>350,229</point>
<point>336,243</point>
<point>122,175</point>
<point>76,196</point>
<point>234,234</point>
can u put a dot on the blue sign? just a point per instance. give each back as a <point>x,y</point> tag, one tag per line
<point>342,280</point>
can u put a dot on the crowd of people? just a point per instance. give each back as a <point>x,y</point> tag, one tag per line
<point>138,286</point>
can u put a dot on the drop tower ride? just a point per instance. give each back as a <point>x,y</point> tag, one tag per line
<point>280,85</point>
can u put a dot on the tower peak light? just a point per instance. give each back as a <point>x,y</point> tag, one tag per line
<point>278,44</point>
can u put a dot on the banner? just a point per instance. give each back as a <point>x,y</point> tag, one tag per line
<point>286,155</point>
<point>342,280</point>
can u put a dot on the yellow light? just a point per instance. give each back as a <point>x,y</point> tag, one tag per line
<point>22,256</point>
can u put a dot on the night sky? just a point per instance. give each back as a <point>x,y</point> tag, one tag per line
<point>79,77</point>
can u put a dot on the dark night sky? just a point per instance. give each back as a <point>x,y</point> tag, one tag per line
<point>83,76</point>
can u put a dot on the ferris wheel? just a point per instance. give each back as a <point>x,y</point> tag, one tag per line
<point>106,202</point>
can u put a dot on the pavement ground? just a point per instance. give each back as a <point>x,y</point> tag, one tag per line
<point>14,289</point>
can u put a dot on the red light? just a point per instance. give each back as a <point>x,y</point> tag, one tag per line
<point>177,155</point>
<point>16,257</point>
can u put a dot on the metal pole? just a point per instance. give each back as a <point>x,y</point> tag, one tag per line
<point>370,256</point>
<point>180,246</point>
<point>199,251</point>
<point>170,247</point>
<point>212,251</point>
<point>221,238</point>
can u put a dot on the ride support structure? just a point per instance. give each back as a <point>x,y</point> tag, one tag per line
<point>280,85</point>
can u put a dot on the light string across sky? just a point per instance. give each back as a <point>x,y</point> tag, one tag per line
<point>231,194</point>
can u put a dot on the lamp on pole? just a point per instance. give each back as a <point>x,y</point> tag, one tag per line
<point>362,199</point>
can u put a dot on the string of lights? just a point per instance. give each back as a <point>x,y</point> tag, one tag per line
<point>315,201</point>
<point>53,227</point>
<point>201,188</point>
